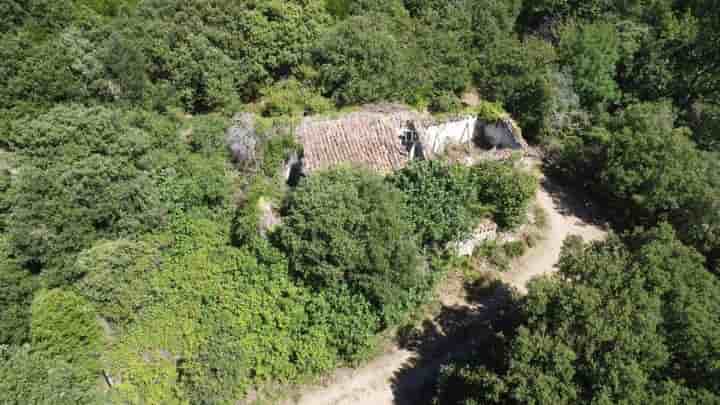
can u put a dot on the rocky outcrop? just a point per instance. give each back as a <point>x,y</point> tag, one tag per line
<point>268,219</point>
<point>242,140</point>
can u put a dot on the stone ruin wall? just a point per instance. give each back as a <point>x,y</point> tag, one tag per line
<point>503,134</point>
<point>487,230</point>
<point>436,138</point>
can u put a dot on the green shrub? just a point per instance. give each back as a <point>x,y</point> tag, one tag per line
<point>495,254</point>
<point>16,293</point>
<point>206,134</point>
<point>445,102</point>
<point>514,249</point>
<point>349,229</point>
<point>591,52</point>
<point>276,150</point>
<point>28,377</point>
<point>650,295</point>
<point>87,174</point>
<point>64,327</point>
<point>508,190</point>
<point>223,320</point>
<point>195,181</point>
<point>441,198</point>
<point>489,112</point>
<point>361,60</point>
<point>115,278</point>
<point>290,97</point>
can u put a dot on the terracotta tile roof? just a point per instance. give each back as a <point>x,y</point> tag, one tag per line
<point>366,139</point>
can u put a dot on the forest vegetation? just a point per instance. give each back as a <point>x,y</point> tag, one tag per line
<point>130,252</point>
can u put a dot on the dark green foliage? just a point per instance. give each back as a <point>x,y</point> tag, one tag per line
<point>206,135</point>
<point>617,325</point>
<point>338,8</point>
<point>591,53</point>
<point>86,180</point>
<point>125,77</point>
<point>130,211</point>
<point>652,166</point>
<point>649,170</point>
<point>349,228</point>
<point>16,291</point>
<point>59,69</point>
<point>361,61</point>
<point>209,51</point>
<point>519,74</point>
<point>706,126</point>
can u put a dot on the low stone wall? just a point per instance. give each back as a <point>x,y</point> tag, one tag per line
<point>485,231</point>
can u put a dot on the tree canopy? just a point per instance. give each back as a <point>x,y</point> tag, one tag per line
<point>131,244</point>
<point>622,322</point>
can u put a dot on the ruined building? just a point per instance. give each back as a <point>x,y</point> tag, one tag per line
<point>386,138</point>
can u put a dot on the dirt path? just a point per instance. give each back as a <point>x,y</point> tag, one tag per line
<point>377,382</point>
<point>566,216</point>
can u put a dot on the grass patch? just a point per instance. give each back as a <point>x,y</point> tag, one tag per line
<point>540,217</point>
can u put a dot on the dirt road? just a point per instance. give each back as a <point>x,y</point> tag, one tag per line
<point>376,383</point>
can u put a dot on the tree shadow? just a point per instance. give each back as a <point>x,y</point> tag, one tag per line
<point>576,203</point>
<point>456,333</point>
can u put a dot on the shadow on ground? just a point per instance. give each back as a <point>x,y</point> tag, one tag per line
<point>454,334</point>
<point>574,204</point>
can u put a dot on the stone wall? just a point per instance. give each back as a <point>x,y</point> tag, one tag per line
<point>485,231</point>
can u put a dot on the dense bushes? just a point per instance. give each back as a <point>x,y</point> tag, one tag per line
<point>115,278</point>
<point>361,61</point>
<point>441,201</point>
<point>85,177</point>
<point>591,53</point>
<point>64,327</point>
<point>348,228</point>
<point>507,190</point>
<point>16,294</point>
<point>447,201</point>
<point>221,321</point>
<point>27,377</point>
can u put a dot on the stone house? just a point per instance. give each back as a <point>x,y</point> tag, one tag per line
<point>385,139</point>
